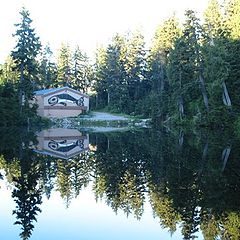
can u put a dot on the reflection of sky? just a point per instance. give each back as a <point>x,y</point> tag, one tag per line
<point>83,220</point>
<point>8,231</point>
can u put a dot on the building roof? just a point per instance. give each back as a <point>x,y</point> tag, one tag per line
<point>46,91</point>
<point>52,90</point>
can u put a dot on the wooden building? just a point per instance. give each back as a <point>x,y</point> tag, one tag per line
<point>61,102</point>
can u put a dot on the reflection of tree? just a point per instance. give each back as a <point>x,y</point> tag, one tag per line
<point>231,226</point>
<point>181,174</point>
<point>81,170</point>
<point>28,196</point>
<point>22,170</point>
<point>163,209</point>
<point>72,175</point>
<point>210,226</point>
<point>48,173</point>
<point>121,174</point>
<point>64,180</point>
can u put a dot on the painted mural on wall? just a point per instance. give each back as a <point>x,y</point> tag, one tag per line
<point>62,143</point>
<point>64,99</point>
<point>65,145</point>
<point>61,102</point>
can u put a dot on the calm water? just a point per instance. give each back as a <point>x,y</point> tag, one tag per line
<point>143,185</point>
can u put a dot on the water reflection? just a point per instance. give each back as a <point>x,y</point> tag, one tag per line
<point>191,179</point>
<point>62,143</point>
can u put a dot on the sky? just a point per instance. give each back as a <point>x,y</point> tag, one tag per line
<point>88,23</point>
<point>83,219</point>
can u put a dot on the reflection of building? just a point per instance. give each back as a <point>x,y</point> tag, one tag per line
<point>62,143</point>
<point>61,102</point>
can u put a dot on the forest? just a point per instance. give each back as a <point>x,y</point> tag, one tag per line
<point>188,75</point>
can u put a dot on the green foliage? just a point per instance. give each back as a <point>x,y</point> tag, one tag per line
<point>82,71</point>
<point>187,76</point>
<point>64,65</point>
<point>24,55</point>
<point>232,226</point>
<point>119,72</point>
<point>9,110</point>
<point>232,18</point>
<point>47,69</point>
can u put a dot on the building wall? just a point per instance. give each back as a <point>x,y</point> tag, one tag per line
<point>59,113</point>
<point>65,103</point>
<point>39,101</point>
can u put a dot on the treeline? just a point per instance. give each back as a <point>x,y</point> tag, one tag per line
<point>189,74</point>
<point>31,66</point>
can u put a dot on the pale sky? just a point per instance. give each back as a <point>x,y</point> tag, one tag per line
<point>88,23</point>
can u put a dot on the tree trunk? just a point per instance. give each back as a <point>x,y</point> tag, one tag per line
<point>96,101</point>
<point>225,156</point>
<point>21,93</point>
<point>108,97</point>
<point>161,79</point>
<point>204,159</point>
<point>180,139</point>
<point>180,100</point>
<point>226,97</point>
<point>203,90</point>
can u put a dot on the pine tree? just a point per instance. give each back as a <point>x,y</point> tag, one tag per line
<point>135,66</point>
<point>64,66</point>
<point>115,75</point>
<point>213,21</point>
<point>9,74</point>
<point>82,72</point>
<point>47,69</point>
<point>24,56</point>
<point>232,21</point>
<point>186,70</point>
<point>215,55</point>
<point>162,44</point>
<point>232,18</point>
<point>110,74</point>
<point>100,84</point>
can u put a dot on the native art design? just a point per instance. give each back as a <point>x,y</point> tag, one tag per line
<point>64,98</point>
<point>64,145</point>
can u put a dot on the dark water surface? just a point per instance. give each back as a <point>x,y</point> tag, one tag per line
<point>142,185</point>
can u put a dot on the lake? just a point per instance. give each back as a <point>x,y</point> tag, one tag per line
<point>139,185</point>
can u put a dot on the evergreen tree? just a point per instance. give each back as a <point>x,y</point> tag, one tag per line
<point>135,67</point>
<point>9,74</point>
<point>117,94</point>
<point>232,21</point>
<point>9,109</point>
<point>100,84</point>
<point>215,56</point>
<point>82,72</point>
<point>186,70</point>
<point>47,69</point>
<point>213,21</point>
<point>232,18</point>
<point>110,74</point>
<point>163,42</point>
<point>64,66</point>
<point>24,56</point>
